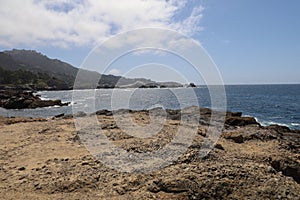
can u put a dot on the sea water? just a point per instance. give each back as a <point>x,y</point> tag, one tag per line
<point>269,104</point>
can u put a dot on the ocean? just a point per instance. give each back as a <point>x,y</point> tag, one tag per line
<point>269,104</point>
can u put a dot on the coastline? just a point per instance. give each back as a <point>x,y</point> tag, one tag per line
<point>45,159</point>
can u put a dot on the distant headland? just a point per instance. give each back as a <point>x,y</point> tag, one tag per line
<point>31,70</point>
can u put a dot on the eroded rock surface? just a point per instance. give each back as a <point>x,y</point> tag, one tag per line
<point>46,159</point>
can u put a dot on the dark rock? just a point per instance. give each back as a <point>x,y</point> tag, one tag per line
<point>288,167</point>
<point>75,139</point>
<point>202,132</point>
<point>69,116</point>
<point>219,146</point>
<point>234,114</point>
<point>169,85</point>
<point>173,114</point>
<point>109,126</point>
<point>271,170</point>
<point>21,168</point>
<point>104,112</point>
<point>37,186</point>
<point>121,111</point>
<point>12,99</point>
<point>278,128</point>
<point>44,131</point>
<point>60,115</point>
<point>85,163</point>
<point>192,85</point>
<point>237,138</point>
<point>240,121</point>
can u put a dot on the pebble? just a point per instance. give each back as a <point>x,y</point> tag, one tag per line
<point>21,168</point>
<point>271,170</point>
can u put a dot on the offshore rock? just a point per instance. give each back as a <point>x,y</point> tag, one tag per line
<point>11,99</point>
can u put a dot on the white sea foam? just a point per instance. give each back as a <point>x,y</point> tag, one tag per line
<point>295,124</point>
<point>268,123</point>
<point>70,103</point>
<point>44,98</point>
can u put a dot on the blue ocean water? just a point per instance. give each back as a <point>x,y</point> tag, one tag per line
<point>269,104</point>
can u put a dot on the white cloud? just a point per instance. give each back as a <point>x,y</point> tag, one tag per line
<point>115,72</point>
<point>86,22</point>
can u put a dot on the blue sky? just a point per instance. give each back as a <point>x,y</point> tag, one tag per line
<point>251,41</point>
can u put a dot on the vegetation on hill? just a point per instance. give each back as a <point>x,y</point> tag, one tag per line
<point>34,70</point>
<point>22,79</point>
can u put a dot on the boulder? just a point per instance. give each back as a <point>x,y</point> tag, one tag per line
<point>288,167</point>
<point>192,85</point>
<point>240,121</point>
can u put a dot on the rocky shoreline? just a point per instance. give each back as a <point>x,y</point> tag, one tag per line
<point>46,159</point>
<point>19,99</point>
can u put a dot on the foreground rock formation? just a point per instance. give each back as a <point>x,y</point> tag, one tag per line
<point>45,159</point>
<point>12,99</point>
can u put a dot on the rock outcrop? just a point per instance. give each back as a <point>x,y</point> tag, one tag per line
<point>47,159</point>
<point>12,99</point>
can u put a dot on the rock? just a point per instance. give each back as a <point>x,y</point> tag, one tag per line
<point>219,146</point>
<point>173,114</point>
<point>288,167</point>
<point>21,168</point>
<point>75,139</point>
<point>80,114</point>
<point>169,85</point>
<point>12,99</point>
<point>259,168</point>
<point>46,103</point>
<point>85,163</point>
<point>192,85</point>
<point>173,186</point>
<point>37,186</point>
<point>234,114</point>
<point>236,137</point>
<point>278,128</point>
<point>240,121</point>
<point>202,132</point>
<point>43,131</point>
<point>60,115</point>
<point>271,169</point>
<point>104,112</point>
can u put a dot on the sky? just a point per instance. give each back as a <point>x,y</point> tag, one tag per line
<point>250,41</point>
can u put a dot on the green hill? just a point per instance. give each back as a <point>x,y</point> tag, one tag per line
<point>28,69</point>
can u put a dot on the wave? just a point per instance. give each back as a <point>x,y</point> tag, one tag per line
<point>71,103</point>
<point>295,124</point>
<point>268,123</point>
<point>278,117</point>
<point>44,98</point>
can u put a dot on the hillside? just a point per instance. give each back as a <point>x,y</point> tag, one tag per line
<point>25,69</point>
